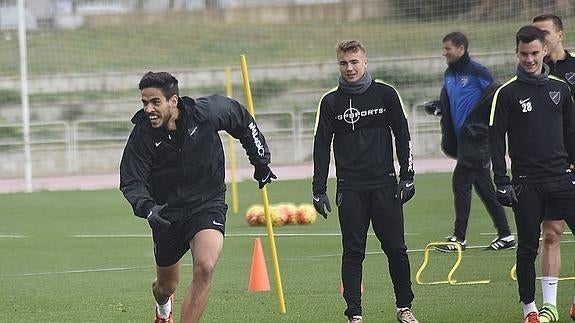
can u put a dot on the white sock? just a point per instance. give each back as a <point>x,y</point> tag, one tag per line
<point>528,308</point>
<point>549,289</point>
<point>164,310</point>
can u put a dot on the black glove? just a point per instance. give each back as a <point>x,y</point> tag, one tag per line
<point>405,191</point>
<point>319,201</point>
<point>155,219</point>
<point>264,175</point>
<point>506,195</point>
<point>432,107</point>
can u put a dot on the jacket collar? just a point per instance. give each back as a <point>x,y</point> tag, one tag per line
<point>460,64</point>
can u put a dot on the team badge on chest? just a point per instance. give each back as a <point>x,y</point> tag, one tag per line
<point>555,97</point>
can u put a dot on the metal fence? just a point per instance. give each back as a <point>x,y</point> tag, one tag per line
<point>95,146</point>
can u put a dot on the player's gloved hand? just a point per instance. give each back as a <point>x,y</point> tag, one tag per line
<point>263,175</point>
<point>432,107</point>
<point>405,191</point>
<point>155,219</point>
<point>319,202</point>
<point>506,195</point>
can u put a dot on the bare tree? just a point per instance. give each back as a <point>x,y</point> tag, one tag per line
<point>212,4</point>
<point>75,6</point>
<point>140,4</point>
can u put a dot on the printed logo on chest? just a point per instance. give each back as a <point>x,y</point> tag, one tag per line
<point>555,97</point>
<point>526,105</point>
<point>352,115</point>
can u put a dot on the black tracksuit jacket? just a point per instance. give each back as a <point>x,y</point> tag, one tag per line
<point>530,114</point>
<point>565,69</point>
<point>361,126</point>
<point>188,171</point>
<point>472,149</point>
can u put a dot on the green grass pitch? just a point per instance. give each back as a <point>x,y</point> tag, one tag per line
<point>81,256</point>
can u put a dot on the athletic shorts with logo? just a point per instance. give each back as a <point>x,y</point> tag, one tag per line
<point>172,244</point>
<point>547,201</point>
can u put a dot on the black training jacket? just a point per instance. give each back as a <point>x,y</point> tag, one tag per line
<point>565,69</point>
<point>538,121</point>
<point>472,149</point>
<point>154,170</point>
<point>360,127</point>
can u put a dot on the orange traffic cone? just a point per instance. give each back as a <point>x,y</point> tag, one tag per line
<point>259,281</point>
<point>341,287</point>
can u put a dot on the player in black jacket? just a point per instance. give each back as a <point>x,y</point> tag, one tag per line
<point>172,173</point>
<point>561,64</point>
<point>358,118</point>
<point>536,113</point>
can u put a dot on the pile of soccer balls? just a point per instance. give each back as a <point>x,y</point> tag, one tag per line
<point>282,214</point>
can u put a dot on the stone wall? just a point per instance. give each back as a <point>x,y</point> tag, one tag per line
<point>350,10</point>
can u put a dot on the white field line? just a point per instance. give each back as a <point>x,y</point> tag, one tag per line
<point>379,252</point>
<point>515,233</point>
<point>11,236</point>
<point>262,234</point>
<point>76,271</point>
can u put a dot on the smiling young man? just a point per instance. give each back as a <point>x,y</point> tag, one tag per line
<point>359,117</point>
<point>562,64</point>
<point>172,173</point>
<point>535,111</point>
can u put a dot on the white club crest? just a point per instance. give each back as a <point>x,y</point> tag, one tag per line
<point>555,97</point>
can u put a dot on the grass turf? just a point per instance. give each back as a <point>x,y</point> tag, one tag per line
<point>80,256</point>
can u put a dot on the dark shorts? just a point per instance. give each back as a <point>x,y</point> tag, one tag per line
<point>172,244</point>
<point>552,201</point>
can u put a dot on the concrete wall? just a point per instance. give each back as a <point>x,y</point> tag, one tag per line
<point>277,14</point>
<point>207,77</point>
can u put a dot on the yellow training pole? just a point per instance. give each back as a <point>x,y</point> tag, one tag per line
<point>264,193</point>
<point>232,151</point>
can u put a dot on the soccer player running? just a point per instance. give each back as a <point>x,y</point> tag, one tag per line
<point>561,64</point>
<point>464,104</point>
<point>172,173</point>
<point>536,112</point>
<point>359,117</point>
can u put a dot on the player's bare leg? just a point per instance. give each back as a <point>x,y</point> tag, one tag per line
<point>206,248</point>
<point>165,284</point>
<point>550,268</point>
<point>551,247</point>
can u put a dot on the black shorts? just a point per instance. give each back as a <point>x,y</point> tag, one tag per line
<point>172,244</point>
<point>547,201</point>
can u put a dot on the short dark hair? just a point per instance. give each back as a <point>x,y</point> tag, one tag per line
<point>457,38</point>
<point>555,19</point>
<point>527,34</point>
<point>164,81</point>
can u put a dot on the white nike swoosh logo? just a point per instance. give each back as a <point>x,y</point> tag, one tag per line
<point>316,199</point>
<point>158,143</point>
<point>502,191</point>
<point>266,178</point>
<point>409,185</point>
<point>217,223</point>
<point>524,100</point>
